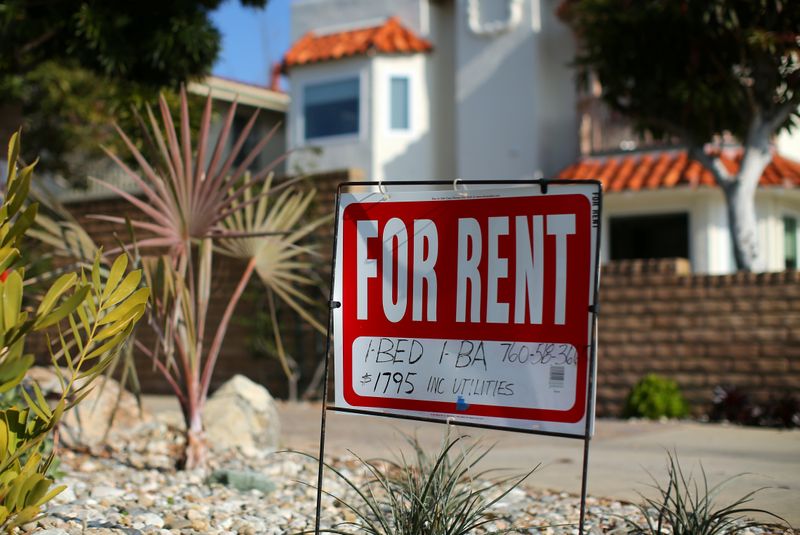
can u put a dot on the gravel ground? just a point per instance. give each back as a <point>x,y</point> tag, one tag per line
<point>133,489</point>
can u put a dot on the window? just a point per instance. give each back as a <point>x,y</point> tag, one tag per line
<point>652,236</point>
<point>790,242</point>
<point>239,122</point>
<point>398,101</point>
<point>331,108</point>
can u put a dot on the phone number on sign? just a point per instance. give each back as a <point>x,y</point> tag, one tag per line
<point>539,353</point>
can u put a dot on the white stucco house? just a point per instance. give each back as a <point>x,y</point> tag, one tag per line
<point>661,204</point>
<point>432,89</point>
<point>471,89</point>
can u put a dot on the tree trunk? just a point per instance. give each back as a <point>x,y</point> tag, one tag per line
<point>742,226</point>
<point>740,196</point>
<point>196,453</point>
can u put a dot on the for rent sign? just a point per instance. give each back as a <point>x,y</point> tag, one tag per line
<point>470,308</point>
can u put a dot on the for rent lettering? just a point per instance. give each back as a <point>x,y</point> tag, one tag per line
<point>527,233</point>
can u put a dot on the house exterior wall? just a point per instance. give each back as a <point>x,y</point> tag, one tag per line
<point>402,155</point>
<point>515,97</point>
<point>336,152</point>
<point>327,16</point>
<point>441,74</point>
<point>788,144</point>
<point>267,119</point>
<point>781,203</point>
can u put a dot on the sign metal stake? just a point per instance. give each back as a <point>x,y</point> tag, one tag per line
<point>323,420</point>
<point>589,411</point>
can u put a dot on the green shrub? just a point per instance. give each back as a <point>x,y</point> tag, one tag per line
<point>687,507</point>
<point>13,399</point>
<point>433,495</point>
<point>655,397</point>
<point>89,315</point>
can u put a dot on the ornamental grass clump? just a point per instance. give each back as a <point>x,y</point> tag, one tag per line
<point>686,506</point>
<point>439,494</point>
<point>86,317</point>
<point>199,200</point>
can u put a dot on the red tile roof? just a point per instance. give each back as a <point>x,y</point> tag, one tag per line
<point>391,37</point>
<point>671,168</point>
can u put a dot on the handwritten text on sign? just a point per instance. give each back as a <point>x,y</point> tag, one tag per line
<point>468,308</point>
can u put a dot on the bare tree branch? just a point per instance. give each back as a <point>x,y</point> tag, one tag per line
<point>783,112</point>
<point>38,41</point>
<point>721,175</point>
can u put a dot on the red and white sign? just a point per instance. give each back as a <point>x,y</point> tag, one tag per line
<point>470,308</point>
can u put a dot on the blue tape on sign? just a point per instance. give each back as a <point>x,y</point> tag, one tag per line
<point>461,405</point>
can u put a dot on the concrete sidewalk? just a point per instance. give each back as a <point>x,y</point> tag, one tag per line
<point>622,453</point>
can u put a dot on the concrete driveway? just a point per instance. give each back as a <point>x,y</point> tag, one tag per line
<point>622,453</point>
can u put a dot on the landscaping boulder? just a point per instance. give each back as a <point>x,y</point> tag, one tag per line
<point>88,423</point>
<point>242,414</point>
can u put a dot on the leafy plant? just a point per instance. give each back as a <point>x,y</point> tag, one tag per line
<point>688,508</point>
<point>655,397</point>
<point>68,69</point>
<point>197,201</point>
<point>433,495</point>
<point>12,399</point>
<point>722,67</point>
<point>733,404</point>
<point>783,411</point>
<point>88,319</point>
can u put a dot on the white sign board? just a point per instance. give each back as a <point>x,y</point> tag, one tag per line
<point>468,308</point>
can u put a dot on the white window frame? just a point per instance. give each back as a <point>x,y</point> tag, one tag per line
<point>301,123</point>
<point>787,214</point>
<point>400,132</point>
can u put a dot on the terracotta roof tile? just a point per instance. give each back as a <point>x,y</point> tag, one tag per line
<point>391,37</point>
<point>694,172</point>
<point>625,172</point>
<point>676,171</point>
<point>607,173</point>
<point>670,168</point>
<point>642,172</point>
<point>661,168</point>
<point>590,167</point>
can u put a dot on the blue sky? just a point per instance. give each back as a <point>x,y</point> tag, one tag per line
<point>252,39</point>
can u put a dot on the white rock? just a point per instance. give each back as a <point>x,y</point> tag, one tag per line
<point>65,496</point>
<point>150,519</point>
<point>106,492</point>
<point>242,414</point>
<point>194,514</point>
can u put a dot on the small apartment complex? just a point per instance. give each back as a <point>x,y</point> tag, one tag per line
<point>483,89</point>
<point>427,89</point>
